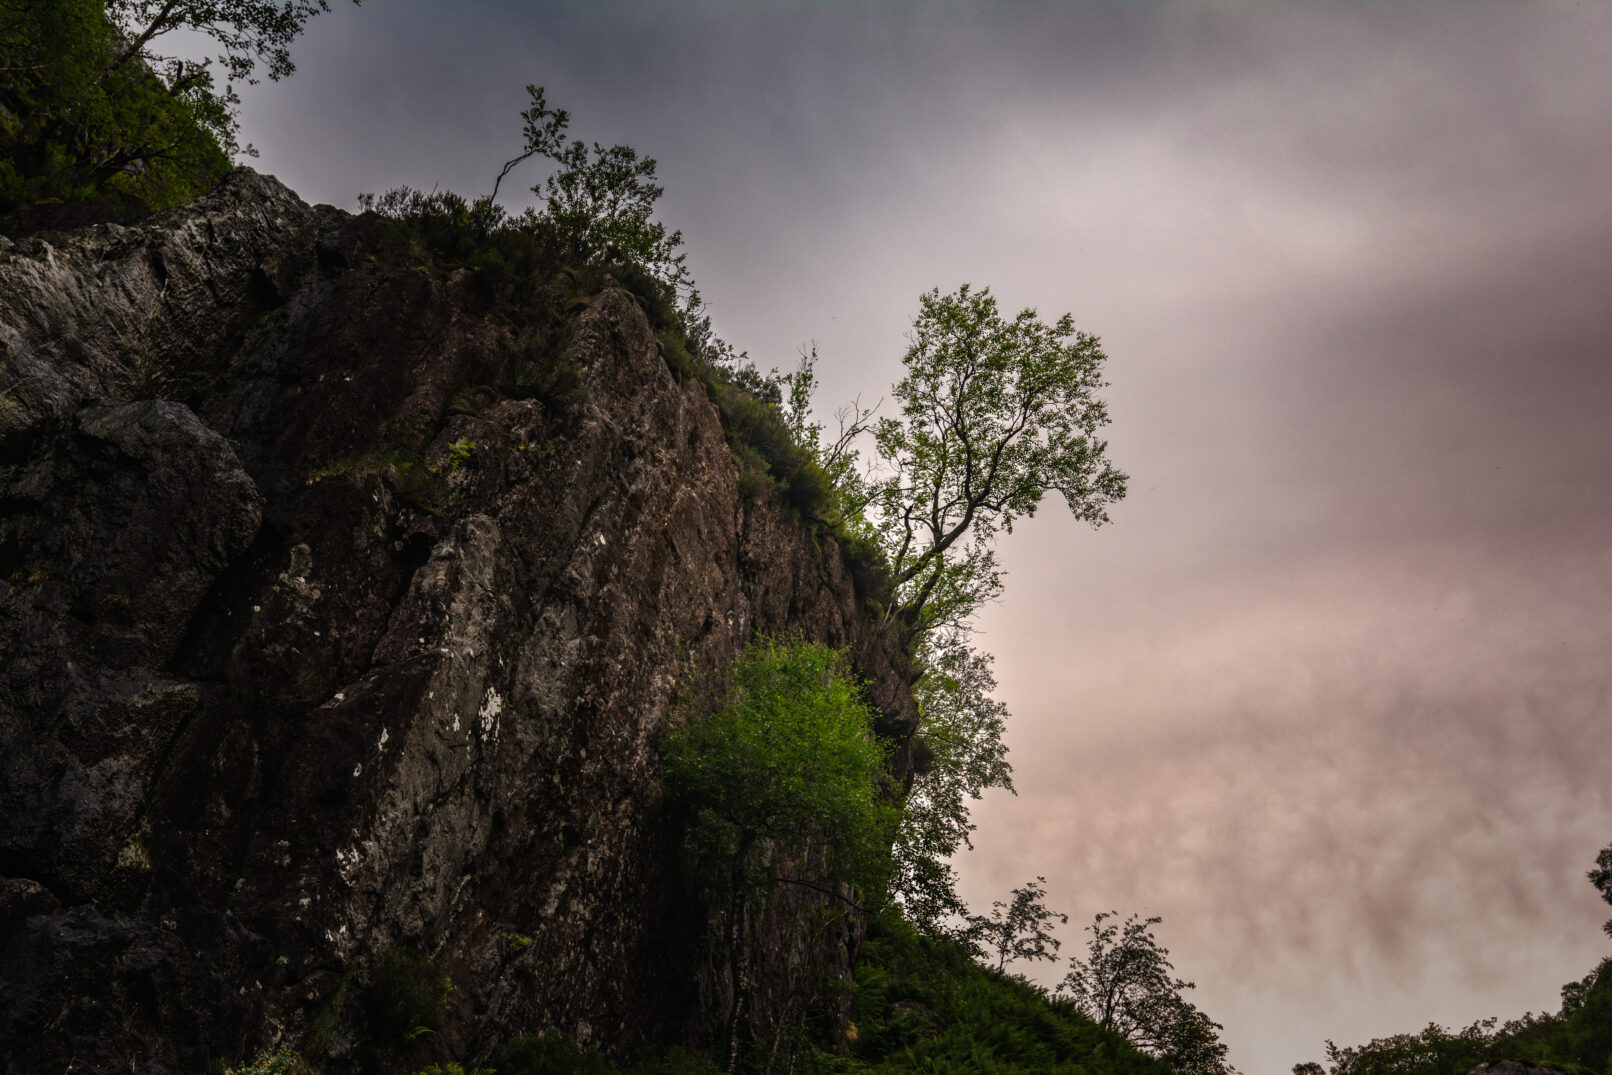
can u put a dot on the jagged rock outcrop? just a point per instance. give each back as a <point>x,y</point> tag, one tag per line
<point>318,641</point>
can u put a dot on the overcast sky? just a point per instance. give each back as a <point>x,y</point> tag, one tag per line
<point>1331,694</point>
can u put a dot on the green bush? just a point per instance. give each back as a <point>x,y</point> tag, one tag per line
<point>789,761</point>
<point>1578,1039</point>
<point>549,1053</point>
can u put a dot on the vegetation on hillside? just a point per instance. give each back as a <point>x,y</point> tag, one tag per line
<point>1577,1038</point>
<point>926,1004</point>
<point>92,115</point>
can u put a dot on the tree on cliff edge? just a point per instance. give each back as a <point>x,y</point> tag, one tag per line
<point>91,112</point>
<point>995,413</point>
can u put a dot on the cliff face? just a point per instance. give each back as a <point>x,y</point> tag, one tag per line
<point>320,641</point>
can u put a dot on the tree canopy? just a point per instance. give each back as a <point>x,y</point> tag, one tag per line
<point>91,112</point>
<point>1017,928</point>
<point>1601,878</point>
<point>787,763</point>
<point>1125,984</point>
<point>960,754</point>
<point>248,33</point>
<point>995,413</point>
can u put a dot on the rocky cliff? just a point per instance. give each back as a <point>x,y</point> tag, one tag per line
<point>341,608</point>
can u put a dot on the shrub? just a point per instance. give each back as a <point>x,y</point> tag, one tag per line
<point>789,761</point>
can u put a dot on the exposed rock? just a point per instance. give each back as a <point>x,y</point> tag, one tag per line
<point>317,642</point>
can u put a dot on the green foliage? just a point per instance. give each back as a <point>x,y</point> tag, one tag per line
<point>272,1062</point>
<point>599,202</point>
<point>1125,984</point>
<point>453,1068</point>
<point>922,1004</point>
<point>960,754</point>
<point>1577,1039</point>
<point>994,414</point>
<point>406,998</point>
<point>330,1025</point>
<point>83,120</point>
<point>789,762</point>
<point>785,784</point>
<point>1601,878</point>
<point>549,1053</point>
<point>405,471</point>
<point>248,32</point>
<point>460,453</point>
<point>1021,928</point>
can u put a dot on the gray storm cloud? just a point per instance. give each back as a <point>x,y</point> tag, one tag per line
<point>1331,693</point>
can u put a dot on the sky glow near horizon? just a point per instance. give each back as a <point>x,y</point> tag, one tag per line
<point>1331,692</point>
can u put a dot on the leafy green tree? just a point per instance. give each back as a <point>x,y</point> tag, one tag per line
<point>1601,878</point>
<point>1125,984</point>
<point>1020,928</point>
<point>995,412</point>
<point>1433,1051</point>
<point>76,129</point>
<point>1579,1037</point>
<point>788,763</point>
<point>90,112</point>
<point>247,32</point>
<point>960,754</point>
<point>785,784</point>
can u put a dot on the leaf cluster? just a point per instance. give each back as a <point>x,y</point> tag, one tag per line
<point>787,770</point>
<point>1019,928</point>
<point>552,1053</point>
<point>406,997</point>
<point>247,33</point>
<point>83,119</point>
<point>994,413</point>
<point>1126,984</point>
<point>960,753</point>
<point>1577,1039</point>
